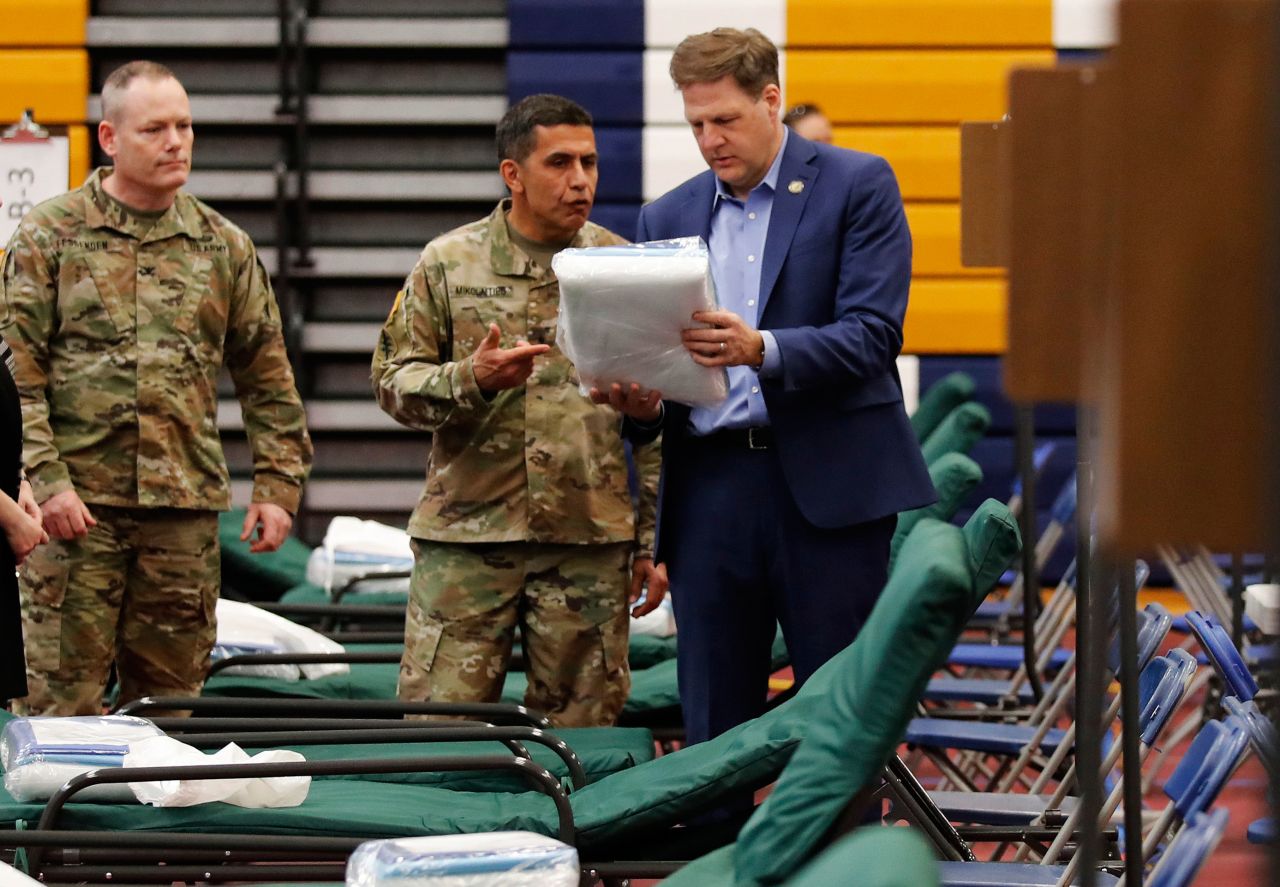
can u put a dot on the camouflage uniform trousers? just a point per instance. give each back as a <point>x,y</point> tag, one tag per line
<point>465,601</point>
<point>140,589</point>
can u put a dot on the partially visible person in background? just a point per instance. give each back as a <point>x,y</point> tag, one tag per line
<point>23,531</point>
<point>808,121</point>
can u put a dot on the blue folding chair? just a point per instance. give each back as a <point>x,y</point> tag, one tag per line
<point>1020,743</point>
<point>1181,862</point>
<point>1223,655</point>
<point>1199,777</point>
<point>1266,745</point>
<point>1162,688</point>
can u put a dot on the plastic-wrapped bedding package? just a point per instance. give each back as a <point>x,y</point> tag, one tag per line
<point>245,629</point>
<point>41,754</point>
<point>622,309</point>
<point>355,548</point>
<point>11,877</point>
<point>496,859</point>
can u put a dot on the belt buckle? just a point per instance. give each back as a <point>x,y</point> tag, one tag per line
<point>751,440</point>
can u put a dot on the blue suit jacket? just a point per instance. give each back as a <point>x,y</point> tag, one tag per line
<point>833,290</point>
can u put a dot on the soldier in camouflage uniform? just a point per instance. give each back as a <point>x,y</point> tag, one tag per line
<point>526,516</point>
<point>123,299</point>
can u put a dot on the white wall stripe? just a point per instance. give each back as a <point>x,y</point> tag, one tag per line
<point>667,22</point>
<point>1084,24</point>
<point>670,157</point>
<point>661,101</point>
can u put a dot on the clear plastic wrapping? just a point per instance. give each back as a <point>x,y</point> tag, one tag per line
<point>40,754</point>
<point>496,859</point>
<point>260,791</point>
<point>622,309</point>
<point>355,548</point>
<point>245,629</point>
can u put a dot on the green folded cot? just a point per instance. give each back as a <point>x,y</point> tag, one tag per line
<point>868,707</point>
<point>937,403</point>
<point>959,431</point>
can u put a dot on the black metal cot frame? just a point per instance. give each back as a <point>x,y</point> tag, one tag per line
<point>56,855</point>
<point>63,856</point>
<point>59,855</point>
<point>316,722</point>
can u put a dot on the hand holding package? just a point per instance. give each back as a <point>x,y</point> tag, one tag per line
<point>622,310</point>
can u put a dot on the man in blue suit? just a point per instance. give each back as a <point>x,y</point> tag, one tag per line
<point>779,503</point>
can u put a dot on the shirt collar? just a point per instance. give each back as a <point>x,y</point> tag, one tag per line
<point>506,258</point>
<point>103,211</point>
<point>770,179</point>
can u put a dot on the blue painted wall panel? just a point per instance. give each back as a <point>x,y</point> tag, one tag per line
<point>621,172</point>
<point>608,84</point>
<point>617,217</point>
<point>1051,419</point>
<point>576,24</point>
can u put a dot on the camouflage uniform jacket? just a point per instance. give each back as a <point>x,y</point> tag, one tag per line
<point>539,462</point>
<point>120,328</point>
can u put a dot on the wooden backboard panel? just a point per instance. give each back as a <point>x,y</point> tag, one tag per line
<point>983,209</point>
<point>1048,181</point>
<point>1186,435</point>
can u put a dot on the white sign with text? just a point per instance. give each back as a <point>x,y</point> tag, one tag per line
<point>30,172</point>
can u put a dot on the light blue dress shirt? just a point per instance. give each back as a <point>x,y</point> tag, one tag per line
<point>738,229</point>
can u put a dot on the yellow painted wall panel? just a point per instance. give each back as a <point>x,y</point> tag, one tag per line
<point>907,86</point>
<point>926,159</point>
<point>43,22</point>
<point>955,317</point>
<point>935,235</point>
<point>919,23</point>
<point>54,82</point>
<point>78,162</point>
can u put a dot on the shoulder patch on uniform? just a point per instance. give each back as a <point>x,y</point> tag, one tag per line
<point>489,291</point>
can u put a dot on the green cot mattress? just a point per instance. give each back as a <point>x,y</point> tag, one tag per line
<point>602,751</point>
<point>652,689</point>
<point>334,808</point>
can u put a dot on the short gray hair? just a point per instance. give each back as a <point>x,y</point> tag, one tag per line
<point>119,79</point>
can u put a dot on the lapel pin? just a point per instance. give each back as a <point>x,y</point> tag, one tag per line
<point>796,186</point>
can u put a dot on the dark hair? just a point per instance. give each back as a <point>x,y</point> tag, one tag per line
<point>515,134</point>
<point>748,56</point>
<point>796,113</point>
<point>119,79</point>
